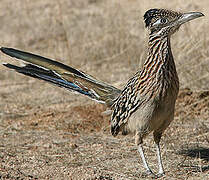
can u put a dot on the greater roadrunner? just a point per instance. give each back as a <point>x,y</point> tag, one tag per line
<point>147,101</point>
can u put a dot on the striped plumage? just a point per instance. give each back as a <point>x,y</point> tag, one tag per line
<point>147,101</point>
<point>157,77</point>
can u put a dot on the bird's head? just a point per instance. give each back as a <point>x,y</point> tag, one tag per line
<point>165,22</point>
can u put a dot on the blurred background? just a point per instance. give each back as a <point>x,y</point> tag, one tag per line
<point>106,39</point>
<point>108,36</point>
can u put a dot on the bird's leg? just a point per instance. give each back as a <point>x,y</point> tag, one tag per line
<point>138,141</point>
<point>160,165</point>
<point>141,152</point>
<point>157,137</point>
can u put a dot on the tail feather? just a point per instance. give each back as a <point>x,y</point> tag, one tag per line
<point>33,71</point>
<point>63,76</point>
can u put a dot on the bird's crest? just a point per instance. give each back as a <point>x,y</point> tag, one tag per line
<point>154,14</point>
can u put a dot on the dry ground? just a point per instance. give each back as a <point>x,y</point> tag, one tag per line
<point>48,133</point>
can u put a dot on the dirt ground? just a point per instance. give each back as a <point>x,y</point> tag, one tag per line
<point>49,133</point>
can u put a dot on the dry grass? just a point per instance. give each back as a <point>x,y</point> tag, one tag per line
<point>48,133</point>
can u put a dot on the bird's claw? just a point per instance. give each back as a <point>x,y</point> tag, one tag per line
<point>152,175</point>
<point>159,175</point>
<point>148,173</point>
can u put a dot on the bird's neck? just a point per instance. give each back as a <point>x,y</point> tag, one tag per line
<point>159,66</point>
<point>159,49</point>
<point>159,57</point>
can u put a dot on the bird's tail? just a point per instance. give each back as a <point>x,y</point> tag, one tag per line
<point>62,75</point>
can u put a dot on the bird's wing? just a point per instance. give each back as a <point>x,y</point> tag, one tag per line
<point>126,104</point>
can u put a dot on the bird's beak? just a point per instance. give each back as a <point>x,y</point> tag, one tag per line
<point>188,17</point>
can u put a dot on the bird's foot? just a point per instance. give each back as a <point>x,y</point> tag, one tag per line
<point>152,175</point>
<point>161,174</point>
<point>148,173</point>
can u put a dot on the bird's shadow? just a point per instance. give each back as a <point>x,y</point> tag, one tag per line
<point>197,152</point>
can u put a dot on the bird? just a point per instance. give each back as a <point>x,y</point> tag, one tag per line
<point>147,101</point>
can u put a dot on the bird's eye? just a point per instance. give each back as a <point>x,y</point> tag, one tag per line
<point>163,20</point>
